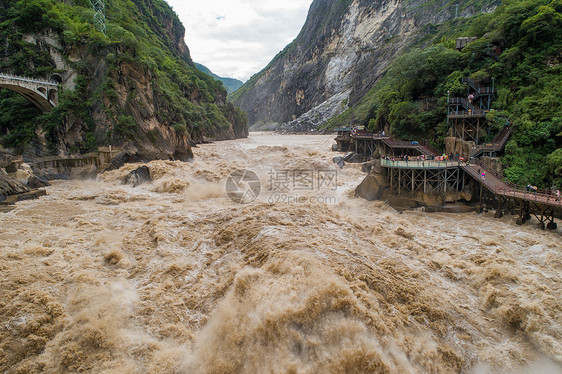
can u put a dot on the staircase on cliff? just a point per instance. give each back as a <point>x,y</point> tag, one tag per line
<point>467,116</point>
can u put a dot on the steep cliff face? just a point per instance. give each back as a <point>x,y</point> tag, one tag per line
<point>137,86</point>
<point>343,49</point>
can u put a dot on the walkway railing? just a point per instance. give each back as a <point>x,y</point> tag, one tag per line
<point>480,90</point>
<point>543,196</point>
<point>466,114</point>
<point>492,180</point>
<point>499,185</point>
<point>464,102</point>
<point>497,144</point>
<point>421,164</point>
<point>421,146</point>
<point>27,79</point>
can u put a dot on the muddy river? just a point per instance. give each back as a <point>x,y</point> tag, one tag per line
<point>288,272</point>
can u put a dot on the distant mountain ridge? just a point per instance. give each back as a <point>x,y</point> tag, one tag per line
<point>230,84</point>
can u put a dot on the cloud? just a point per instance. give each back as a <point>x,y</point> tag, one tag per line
<point>237,38</point>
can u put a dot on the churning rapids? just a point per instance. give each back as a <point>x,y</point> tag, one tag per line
<point>172,276</point>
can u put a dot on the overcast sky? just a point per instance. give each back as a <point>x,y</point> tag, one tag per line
<point>237,38</point>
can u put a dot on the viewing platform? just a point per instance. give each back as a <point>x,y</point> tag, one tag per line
<point>437,177</point>
<point>419,164</point>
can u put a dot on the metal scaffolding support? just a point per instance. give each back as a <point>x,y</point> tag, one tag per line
<point>425,180</point>
<point>99,15</point>
<point>469,128</point>
<point>364,146</point>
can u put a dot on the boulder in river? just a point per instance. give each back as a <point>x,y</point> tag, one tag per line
<point>37,182</point>
<point>10,186</point>
<point>353,158</point>
<point>373,187</point>
<point>129,155</point>
<point>348,155</point>
<point>138,176</point>
<point>338,160</point>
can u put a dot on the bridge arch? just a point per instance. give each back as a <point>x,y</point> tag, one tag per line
<point>56,77</point>
<point>53,96</point>
<point>42,94</point>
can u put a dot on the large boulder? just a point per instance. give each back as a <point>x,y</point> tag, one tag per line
<point>12,166</point>
<point>373,165</point>
<point>348,156</point>
<point>129,155</point>
<point>138,176</point>
<point>338,160</point>
<point>353,158</point>
<point>10,186</point>
<point>53,174</point>
<point>372,187</point>
<point>37,182</point>
<point>23,173</point>
<point>401,203</point>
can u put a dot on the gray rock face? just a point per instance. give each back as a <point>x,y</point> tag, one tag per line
<point>338,160</point>
<point>10,186</point>
<point>128,155</point>
<point>343,49</point>
<point>37,182</point>
<point>138,176</point>
<point>366,167</point>
<point>354,158</point>
<point>372,187</point>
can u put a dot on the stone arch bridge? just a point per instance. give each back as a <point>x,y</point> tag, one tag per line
<point>43,94</point>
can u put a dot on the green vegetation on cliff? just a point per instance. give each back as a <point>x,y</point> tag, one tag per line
<point>143,36</point>
<point>519,46</point>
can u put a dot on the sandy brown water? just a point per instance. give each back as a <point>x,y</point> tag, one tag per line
<point>174,277</point>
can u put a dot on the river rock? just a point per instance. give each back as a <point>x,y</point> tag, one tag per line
<point>402,203</point>
<point>355,158</point>
<point>138,176</point>
<point>50,174</point>
<point>23,173</point>
<point>10,186</point>
<point>348,156</point>
<point>366,167</point>
<point>12,166</point>
<point>37,182</point>
<point>372,187</point>
<point>338,160</point>
<point>129,155</point>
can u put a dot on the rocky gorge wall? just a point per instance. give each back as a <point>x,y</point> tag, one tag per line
<point>343,49</point>
<point>139,91</point>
